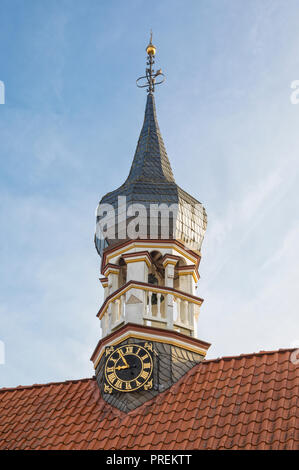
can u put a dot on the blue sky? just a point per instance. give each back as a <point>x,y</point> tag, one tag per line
<point>68,132</point>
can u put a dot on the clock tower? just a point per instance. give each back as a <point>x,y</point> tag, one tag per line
<point>149,236</point>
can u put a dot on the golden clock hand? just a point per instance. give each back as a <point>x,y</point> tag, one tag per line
<point>122,367</point>
<point>123,358</point>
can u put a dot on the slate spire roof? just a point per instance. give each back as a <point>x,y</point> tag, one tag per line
<point>151,181</point>
<point>151,163</point>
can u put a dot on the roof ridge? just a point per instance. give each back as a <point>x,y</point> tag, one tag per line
<point>240,356</point>
<point>62,382</point>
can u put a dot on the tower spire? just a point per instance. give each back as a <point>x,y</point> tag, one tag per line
<point>150,76</point>
<point>151,182</point>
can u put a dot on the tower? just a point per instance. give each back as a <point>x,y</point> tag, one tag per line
<point>149,236</point>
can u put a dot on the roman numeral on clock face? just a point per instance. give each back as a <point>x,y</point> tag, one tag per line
<point>112,377</point>
<point>144,374</point>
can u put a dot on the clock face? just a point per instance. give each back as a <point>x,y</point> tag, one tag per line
<point>129,367</point>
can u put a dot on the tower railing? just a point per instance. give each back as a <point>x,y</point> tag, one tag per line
<point>162,307</point>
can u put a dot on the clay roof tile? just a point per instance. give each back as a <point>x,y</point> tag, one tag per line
<point>244,402</point>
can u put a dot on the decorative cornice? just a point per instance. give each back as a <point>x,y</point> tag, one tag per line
<point>119,249</point>
<point>149,333</point>
<point>139,256</point>
<point>110,269</point>
<point>189,270</point>
<point>104,281</point>
<point>170,259</point>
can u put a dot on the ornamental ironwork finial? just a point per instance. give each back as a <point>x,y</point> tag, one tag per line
<point>149,80</point>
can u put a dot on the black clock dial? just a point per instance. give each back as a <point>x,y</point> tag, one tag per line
<point>129,367</point>
<point>133,371</point>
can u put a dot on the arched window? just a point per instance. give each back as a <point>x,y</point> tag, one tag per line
<point>153,280</point>
<point>157,269</point>
<point>122,279</point>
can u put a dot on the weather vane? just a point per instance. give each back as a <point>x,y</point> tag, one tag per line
<point>150,75</point>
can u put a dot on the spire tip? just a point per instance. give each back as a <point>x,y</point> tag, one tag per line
<point>150,75</point>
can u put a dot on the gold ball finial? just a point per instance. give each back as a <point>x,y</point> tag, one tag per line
<point>151,78</point>
<point>151,49</point>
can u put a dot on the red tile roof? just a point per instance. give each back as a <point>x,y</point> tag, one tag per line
<point>243,402</point>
